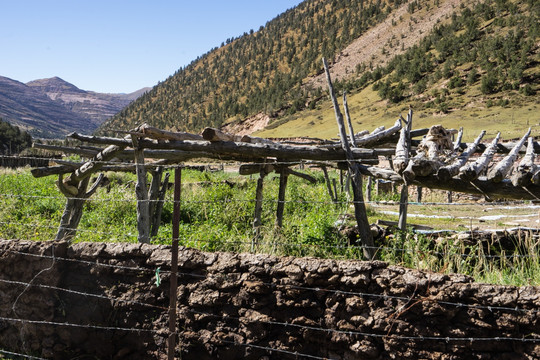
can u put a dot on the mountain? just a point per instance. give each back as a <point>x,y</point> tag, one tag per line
<point>448,59</point>
<point>53,107</point>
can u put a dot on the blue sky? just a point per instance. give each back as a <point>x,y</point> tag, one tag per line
<point>119,45</point>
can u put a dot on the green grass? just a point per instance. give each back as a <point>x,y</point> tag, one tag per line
<point>368,112</point>
<point>217,216</point>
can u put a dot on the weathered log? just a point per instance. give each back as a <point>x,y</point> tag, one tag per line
<point>153,193</point>
<point>283,177</point>
<point>93,165</point>
<point>328,183</point>
<point>66,167</point>
<point>377,130</point>
<point>257,218</point>
<point>366,237</point>
<point>103,140</point>
<point>348,117</point>
<point>369,185</point>
<point>401,159</point>
<point>257,140</point>
<point>379,137</point>
<point>449,171</point>
<point>304,176</point>
<point>158,208</point>
<point>457,143</point>
<point>74,206</point>
<point>503,190</point>
<point>66,149</point>
<point>361,133</point>
<point>249,169</point>
<point>500,171</point>
<point>405,149</point>
<point>159,134</point>
<point>143,206</point>
<point>535,179</point>
<point>257,151</point>
<point>212,134</point>
<point>395,224</point>
<point>472,171</point>
<point>426,161</point>
<point>526,167</point>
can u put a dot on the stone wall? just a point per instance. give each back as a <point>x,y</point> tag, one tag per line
<point>299,307</point>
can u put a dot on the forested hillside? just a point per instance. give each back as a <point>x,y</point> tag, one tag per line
<point>260,71</point>
<point>493,45</point>
<point>12,139</point>
<point>487,52</point>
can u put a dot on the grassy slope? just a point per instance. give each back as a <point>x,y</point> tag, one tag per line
<point>217,217</point>
<point>368,112</point>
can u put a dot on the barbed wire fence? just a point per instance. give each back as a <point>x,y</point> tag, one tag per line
<point>132,236</point>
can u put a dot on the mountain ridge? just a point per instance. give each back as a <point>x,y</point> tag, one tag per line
<point>53,107</point>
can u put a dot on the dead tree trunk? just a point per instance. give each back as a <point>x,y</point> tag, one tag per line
<point>364,229</point>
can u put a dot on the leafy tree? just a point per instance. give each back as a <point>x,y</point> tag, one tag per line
<point>12,139</point>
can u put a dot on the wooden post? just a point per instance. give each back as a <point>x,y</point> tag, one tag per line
<point>364,229</point>
<point>257,221</point>
<point>449,196</point>
<point>158,208</point>
<point>174,263</point>
<point>348,117</point>
<point>405,140</point>
<point>329,185</point>
<point>153,192</point>
<point>419,190</point>
<point>143,208</point>
<point>283,177</point>
<point>368,188</point>
<point>403,204</point>
<point>74,206</point>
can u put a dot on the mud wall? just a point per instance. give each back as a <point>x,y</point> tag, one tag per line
<point>101,301</point>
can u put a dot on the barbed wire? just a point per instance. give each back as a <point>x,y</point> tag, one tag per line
<point>296,354</point>
<point>161,239</point>
<point>525,203</point>
<point>180,274</point>
<point>366,334</point>
<point>85,326</point>
<point>43,286</point>
<point>20,355</point>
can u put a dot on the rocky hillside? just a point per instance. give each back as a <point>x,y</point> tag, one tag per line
<point>52,107</point>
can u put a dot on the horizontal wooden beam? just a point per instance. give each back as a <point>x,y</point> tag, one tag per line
<point>481,186</point>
